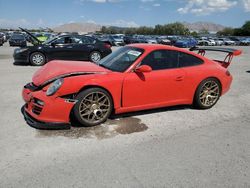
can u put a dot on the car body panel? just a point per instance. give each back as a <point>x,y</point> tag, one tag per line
<point>48,71</point>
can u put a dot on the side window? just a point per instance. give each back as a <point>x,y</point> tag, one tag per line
<point>63,40</point>
<point>76,40</point>
<point>161,59</point>
<point>186,60</point>
<point>88,40</point>
<point>59,41</point>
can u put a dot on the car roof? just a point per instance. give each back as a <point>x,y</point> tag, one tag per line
<point>151,47</point>
<point>154,46</point>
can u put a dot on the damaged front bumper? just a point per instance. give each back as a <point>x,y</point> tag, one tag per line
<point>46,112</point>
<point>43,125</point>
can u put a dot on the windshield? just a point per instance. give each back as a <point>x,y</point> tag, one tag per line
<point>116,37</point>
<point>121,59</point>
<point>50,40</point>
<point>17,37</point>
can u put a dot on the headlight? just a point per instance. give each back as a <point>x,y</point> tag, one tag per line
<point>54,87</point>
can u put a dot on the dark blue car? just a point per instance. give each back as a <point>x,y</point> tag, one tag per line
<point>185,43</point>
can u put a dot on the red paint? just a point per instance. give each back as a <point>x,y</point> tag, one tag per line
<point>131,91</point>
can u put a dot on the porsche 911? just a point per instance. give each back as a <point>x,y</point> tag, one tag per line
<point>133,78</point>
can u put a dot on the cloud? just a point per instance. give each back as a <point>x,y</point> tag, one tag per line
<point>145,8</point>
<point>101,1</point>
<point>206,7</point>
<point>7,23</point>
<point>145,1</point>
<point>22,22</point>
<point>156,5</point>
<point>122,23</point>
<point>246,4</point>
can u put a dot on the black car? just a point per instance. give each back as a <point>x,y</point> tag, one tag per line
<point>63,47</point>
<point>134,39</point>
<point>17,40</point>
<point>1,39</point>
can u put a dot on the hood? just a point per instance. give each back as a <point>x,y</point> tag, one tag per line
<point>59,68</point>
<point>37,41</point>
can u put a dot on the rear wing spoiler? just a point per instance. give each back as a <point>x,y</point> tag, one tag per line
<point>228,59</point>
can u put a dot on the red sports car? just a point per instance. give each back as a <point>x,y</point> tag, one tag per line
<point>135,77</point>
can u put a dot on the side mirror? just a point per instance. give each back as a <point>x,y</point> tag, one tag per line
<point>53,44</point>
<point>143,68</point>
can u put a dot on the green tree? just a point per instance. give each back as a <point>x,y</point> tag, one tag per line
<point>203,31</point>
<point>194,34</point>
<point>246,28</point>
<point>228,31</point>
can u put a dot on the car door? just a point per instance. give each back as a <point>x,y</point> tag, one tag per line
<point>163,85</point>
<point>194,72</point>
<point>61,48</point>
<point>83,47</point>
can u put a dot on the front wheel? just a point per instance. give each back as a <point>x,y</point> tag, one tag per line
<point>207,93</point>
<point>94,106</point>
<point>37,59</point>
<point>95,56</point>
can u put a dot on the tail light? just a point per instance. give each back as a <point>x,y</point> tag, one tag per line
<point>106,45</point>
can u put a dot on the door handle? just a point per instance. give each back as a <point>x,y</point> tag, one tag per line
<point>179,78</point>
<point>69,47</point>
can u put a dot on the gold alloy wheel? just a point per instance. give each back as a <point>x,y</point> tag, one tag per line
<point>210,93</point>
<point>94,107</point>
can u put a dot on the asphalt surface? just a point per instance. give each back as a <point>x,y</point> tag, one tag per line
<point>170,147</point>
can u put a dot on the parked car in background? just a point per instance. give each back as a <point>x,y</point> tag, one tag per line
<point>1,39</point>
<point>134,39</point>
<point>212,42</point>
<point>227,41</point>
<point>218,42</point>
<point>245,42</point>
<point>63,47</point>
<point>185,43</point>
<point>17,40</point>
<point>118,40</point>
<point>236,40</point>
<point>205,42</point>
<point>129,39</point>
<point>4,36</point>
<point>112,40</point>
<point>151,39</point>
<point>164,40</point>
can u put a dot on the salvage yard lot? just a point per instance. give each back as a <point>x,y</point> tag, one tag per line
<point>170,147</point>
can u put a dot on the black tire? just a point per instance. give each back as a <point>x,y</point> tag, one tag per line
<point>94,106</point>
<point>95,56</point>
<point>207,93</point>
<point>37,59</point>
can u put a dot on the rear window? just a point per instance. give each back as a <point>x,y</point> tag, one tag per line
<point>17,37</point>
<point>186,60</point>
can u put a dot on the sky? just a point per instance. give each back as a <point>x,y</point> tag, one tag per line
<point>123,13</point>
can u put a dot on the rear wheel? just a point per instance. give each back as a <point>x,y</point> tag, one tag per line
<point>37,59</point>
<point>95,56</point>
<point>207,93</point>
<point>94,106</point>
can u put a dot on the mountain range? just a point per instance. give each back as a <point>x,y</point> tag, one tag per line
<point>92,27</point>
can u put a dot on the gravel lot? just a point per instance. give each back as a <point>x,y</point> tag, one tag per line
<point>171,147</point>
